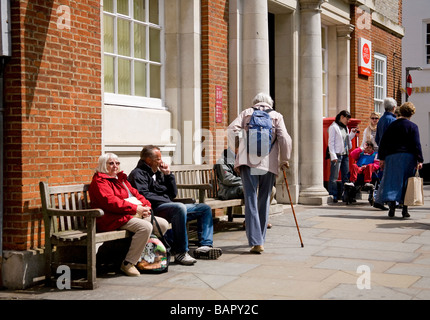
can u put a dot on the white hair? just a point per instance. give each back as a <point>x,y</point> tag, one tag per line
<point>104,158</point>
<point>263,97</point>
<point>389,104</point>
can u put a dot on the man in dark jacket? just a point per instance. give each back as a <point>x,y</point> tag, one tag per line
<point>387,118</point>
<point>153,179</point>
<point>229,181</point>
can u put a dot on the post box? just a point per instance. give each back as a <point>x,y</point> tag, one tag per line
<point>355,143</point>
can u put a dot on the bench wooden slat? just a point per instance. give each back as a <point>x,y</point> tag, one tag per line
<point>112,235</point>
<point>76,266</point>
<point>79,235</point>
<point>71,235</point>
<point>200,182</point>
<point>219,204</point>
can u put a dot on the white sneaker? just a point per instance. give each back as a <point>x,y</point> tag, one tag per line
<point>185,259</point>
<point>349,184</point>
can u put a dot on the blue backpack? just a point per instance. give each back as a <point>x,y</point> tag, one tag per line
<point>259,134</point>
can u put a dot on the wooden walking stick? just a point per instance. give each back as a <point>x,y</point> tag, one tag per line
<point>292,207</point>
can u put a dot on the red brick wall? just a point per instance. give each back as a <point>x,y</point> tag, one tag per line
<point>383,42</point>
<point>214,69</point>
<point>52,108</point>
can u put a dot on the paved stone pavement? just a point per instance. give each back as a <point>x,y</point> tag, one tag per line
<point>350,252</point>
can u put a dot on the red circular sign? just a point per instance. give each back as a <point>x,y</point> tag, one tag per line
<point>366,53</point>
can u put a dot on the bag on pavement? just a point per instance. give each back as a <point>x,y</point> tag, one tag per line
<point>414,191</point>
<point>155,258</point>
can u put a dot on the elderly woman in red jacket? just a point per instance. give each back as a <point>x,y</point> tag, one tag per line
<point>124,208</point>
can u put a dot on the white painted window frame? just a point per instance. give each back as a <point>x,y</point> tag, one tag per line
<point>380,88</point>
<point>132,100</point>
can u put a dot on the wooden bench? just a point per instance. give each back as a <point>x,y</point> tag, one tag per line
<point>70,221</point>
<point>200,183</point>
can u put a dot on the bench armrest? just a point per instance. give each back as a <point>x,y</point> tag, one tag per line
<point>89,213</point>
<point>201,187</point>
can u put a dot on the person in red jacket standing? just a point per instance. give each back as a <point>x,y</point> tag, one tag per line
<point>124,208</point>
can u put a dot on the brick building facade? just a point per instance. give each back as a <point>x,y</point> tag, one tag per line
<point>214,70</point>
<point>65,103</point>
<point>385,42</point>
<point>53,113</point>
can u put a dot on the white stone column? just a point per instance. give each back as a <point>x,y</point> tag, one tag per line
<point>255,50</point>
<point>235,58</point>
<point>183,77</point>
<point>312,190</point>
<point>343,67</point>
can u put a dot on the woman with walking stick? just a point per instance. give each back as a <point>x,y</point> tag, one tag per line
<point>258,169</point>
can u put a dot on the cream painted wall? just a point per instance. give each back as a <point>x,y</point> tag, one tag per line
<point>127,129</point>
<point>416,13</point>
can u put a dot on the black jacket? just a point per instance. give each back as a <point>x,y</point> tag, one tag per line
<point>229,182</point>
<point>161,190</point>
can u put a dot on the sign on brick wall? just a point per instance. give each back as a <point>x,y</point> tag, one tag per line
<point>218,104</point>
<point>364,57</point>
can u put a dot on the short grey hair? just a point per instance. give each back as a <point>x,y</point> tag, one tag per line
<point>104,158</point>
<point>390,104</point>
<point>263,97</point>
<point>148,152</point>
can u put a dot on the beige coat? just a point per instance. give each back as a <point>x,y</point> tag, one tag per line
<point>281,150</point>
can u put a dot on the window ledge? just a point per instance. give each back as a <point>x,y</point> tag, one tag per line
<point>133,101</point>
